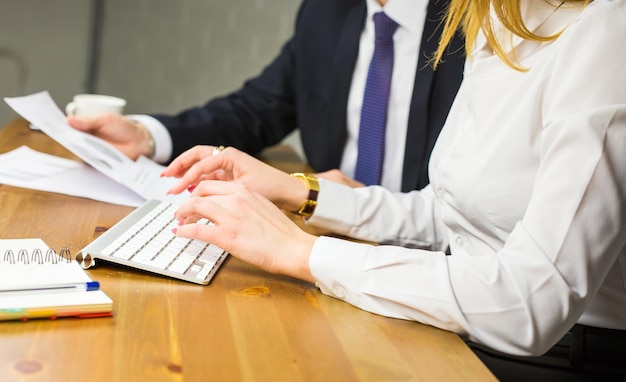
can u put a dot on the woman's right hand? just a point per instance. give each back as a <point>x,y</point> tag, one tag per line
<point>248,226</point>
<point>128,136</point>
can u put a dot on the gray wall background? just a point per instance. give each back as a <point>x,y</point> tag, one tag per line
<point>43,46</point>
<point>160,55</point>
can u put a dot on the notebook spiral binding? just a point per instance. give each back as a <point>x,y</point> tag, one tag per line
<point>36,257</point>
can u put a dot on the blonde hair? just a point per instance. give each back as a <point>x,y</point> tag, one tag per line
<point>471,16</point>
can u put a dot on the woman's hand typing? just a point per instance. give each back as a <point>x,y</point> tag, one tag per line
<point>248,226</point>
<point>199,163</point>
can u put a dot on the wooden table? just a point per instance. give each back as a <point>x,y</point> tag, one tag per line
<point>247,325</point>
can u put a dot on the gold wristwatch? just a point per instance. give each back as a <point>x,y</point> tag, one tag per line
<point>308,207</point>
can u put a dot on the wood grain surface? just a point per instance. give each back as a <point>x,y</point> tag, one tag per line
<point>247,325</point>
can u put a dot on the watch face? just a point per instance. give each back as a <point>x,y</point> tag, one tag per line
<point>308,208</point>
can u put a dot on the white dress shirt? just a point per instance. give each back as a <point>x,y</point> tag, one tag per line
<point>527,193</point>
<point>411,17</point>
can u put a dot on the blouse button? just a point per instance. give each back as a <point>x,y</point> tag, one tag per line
<point>339,290</point>
<point>458,241</point>
<point>440,192</point>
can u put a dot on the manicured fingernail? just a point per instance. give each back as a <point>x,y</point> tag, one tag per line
<point>191,188</point>
<point>174,230</point>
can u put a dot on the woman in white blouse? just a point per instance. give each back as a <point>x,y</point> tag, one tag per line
<point>521,233</point>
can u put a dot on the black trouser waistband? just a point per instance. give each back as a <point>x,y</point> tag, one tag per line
<point>585,349</point>
<point>587,344</point>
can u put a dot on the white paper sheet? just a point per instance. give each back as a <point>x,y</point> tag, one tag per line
<point>25,167</point>
<point>141,176</point>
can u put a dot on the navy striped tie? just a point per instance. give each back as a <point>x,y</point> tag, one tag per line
<point>374,112</point>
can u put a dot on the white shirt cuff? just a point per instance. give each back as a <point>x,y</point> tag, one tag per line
<point>338,267</point>
<point>162,139</point>
<point>335,209</point>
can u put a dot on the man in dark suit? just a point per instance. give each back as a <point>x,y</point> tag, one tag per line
<point>308,86</point>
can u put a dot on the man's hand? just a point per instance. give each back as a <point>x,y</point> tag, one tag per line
<point>339,177</point>
<point>128,136</point>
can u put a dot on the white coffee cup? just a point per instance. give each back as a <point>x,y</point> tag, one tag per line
<point>94,104</point>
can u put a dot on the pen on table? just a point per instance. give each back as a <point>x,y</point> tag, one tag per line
<point>53,288</point>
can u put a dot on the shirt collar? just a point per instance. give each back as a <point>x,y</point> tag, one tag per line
<point>406,13</point>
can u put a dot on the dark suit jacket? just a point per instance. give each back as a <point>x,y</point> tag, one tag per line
<point>307,87</point>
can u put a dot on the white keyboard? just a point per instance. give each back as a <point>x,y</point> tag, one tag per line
<point>144,240</point>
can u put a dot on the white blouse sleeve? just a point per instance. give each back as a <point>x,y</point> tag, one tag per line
<point>377,215</point>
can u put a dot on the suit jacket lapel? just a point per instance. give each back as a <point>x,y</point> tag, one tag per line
<point>345,58</point>
<point>417,132</point>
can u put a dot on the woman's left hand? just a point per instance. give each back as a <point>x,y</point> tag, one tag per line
<point>200,163</point>
<point>248,226</point>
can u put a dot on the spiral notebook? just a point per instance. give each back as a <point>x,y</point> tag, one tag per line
<point>37,282</point>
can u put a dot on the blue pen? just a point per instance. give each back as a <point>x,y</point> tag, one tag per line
<point>53,288</point>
